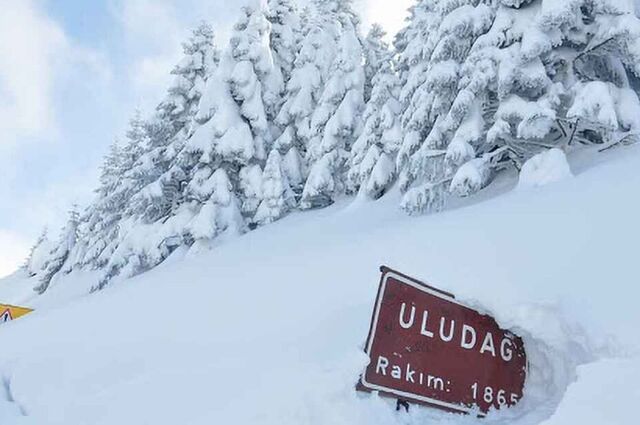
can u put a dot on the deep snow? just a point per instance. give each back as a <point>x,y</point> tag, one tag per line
<point>268,328</point>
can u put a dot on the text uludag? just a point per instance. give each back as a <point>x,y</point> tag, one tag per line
<point>427,348</point>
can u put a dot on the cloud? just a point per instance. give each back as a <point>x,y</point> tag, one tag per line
<point>47,82</point>
<point>34,52</point>
<point>153,31</point>
<point>149,22</point>
<point>29,48</point>
<point>13,250</point>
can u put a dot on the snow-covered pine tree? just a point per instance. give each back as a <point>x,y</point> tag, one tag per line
<point>226,151</point>
<point>285,35</point>
<point>58,257</point>
<point>256,85</point>
<point>221,145</point>
<point>119,182</point>
<point>169,128</point>
<point>376,54</point>
<point>277,197</point>
<point>109,221</point>
<point>155,181</point>
<point>220,213</point>
<point>190,76</point>
<point>221,164</point>
<point>135,163</point>
<point>335,123</point>
<point>414,45</point>
<point>605,108</point>
<point>104,213</point>
<point>372,165</point>
<point>504,81</point>
<point>38,254</point>
<point>422,155</point>
<point>402,40</point>
<point>317,50</point>
<point>543,74</point>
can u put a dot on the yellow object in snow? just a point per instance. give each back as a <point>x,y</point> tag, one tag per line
<point>10,312</point>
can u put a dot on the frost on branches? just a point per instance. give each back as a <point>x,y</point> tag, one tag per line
<point>58,256</point>
<point>286,32</point>
<point>316,52</point>
<point>277,197</point>
<point>372,168</point>
<point>169,128</point>
<point>507,79</point>
<point>301,109</point>
<point>335,121</point>
<point>38,255</point>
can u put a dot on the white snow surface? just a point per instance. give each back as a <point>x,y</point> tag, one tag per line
<point>268,328</point>
<point>545,168</point>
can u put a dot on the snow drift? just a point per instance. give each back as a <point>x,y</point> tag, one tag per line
<point>269,328</point>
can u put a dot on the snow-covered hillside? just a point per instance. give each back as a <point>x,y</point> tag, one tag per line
<point>301,109</point>
<point>268,328</point>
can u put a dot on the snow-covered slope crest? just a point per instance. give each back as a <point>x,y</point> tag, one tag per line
<point>269,328</point>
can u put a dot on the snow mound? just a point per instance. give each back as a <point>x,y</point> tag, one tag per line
<point>269,328</point>
<point>545,168</point>
<point>604,393</point>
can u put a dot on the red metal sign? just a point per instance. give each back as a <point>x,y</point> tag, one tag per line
<point>426,347</point>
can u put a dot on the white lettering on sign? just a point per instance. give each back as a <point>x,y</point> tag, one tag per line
<point>506,350</point>
<point>425,320</point>
<point>488,345</point>
<point>468,335</point>
<point>407,324</point>
<point>410,375</point>
<point>452,328</point>
<point>489,395</point>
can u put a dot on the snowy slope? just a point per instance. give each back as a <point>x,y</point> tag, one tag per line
<point>269,328</point>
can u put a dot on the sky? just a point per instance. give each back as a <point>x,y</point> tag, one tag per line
<point>72,72</point>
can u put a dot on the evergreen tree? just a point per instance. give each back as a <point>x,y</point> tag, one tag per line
<point>301,97</point>
<point>414,45</point>
<point>460,24</point>
<point>257,86</point>
<point>120,180</point>
<point>475,86</point>
<point>285,35</point>
<point>256,83</point>
<point>106,211</point>
<point>277,196</point>
<point>152,193</point>
<point>190,76</point>
<point>220,213</point>
<point>376,52</point>
<point>169,128</point>
<point>222,144</point>
<point>38,254</point>
<point>319,36</point>
<point>60,254</point>
<point>227,149</point>
<point>335,121</point>
<point>372,167</point>
<point>496,93</point>
<point>135,165</point>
